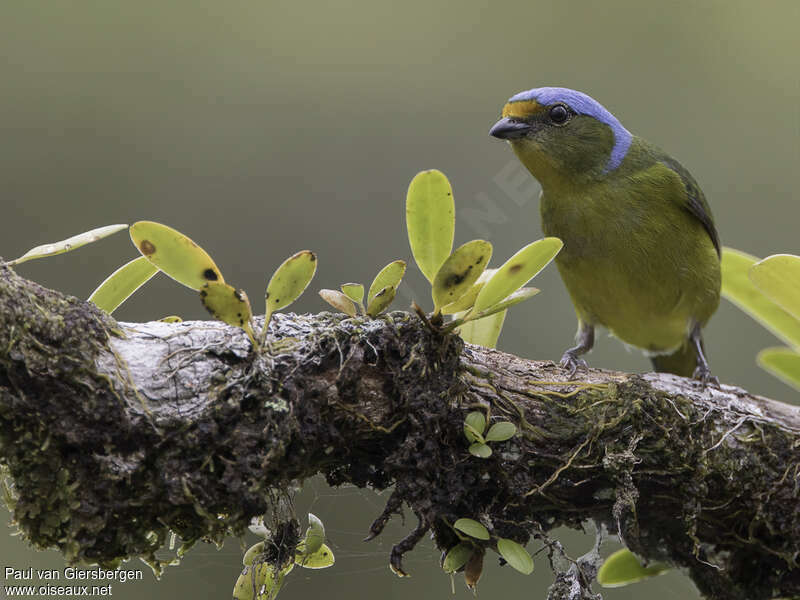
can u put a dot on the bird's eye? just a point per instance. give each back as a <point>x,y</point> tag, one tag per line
<point>559,114</point>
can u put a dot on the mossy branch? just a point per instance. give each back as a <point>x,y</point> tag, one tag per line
<point>115,434</point>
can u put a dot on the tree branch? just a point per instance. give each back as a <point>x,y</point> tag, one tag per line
<point>115,434</point>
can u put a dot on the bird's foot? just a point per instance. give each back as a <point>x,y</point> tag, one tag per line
<point>572,362</point>
<point>703,374</point>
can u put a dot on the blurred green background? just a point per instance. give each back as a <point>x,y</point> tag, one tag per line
<point>263,128</point>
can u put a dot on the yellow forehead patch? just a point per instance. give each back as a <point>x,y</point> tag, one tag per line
<point>521,109</point>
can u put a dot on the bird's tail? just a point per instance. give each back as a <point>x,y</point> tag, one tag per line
<point>682,362</point>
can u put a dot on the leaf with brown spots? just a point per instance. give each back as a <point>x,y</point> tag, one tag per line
<point>289,281</point>
<point>229,305</point>
<point>321,559</point>
<point>175,254</point>
<point>467,300</point>
<point>391,274</point>
<point>459,272</point>
<point>516,272</point>
<point>381,301</point>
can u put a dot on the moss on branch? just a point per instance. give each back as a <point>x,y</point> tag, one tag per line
<point>114,435</point>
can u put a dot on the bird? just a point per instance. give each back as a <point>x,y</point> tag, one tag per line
<point>641,254</point>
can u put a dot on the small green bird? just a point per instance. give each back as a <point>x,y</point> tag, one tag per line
<point>641,254</point>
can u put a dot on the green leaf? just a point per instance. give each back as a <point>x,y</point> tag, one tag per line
<point>252,552</point>
<point>321,559</point>
<point>175,254</point>
<point>354,291</point>
<point>457,557</point>
<point>339,301</point>
<point>391,274</point>
<point>739,289</point>
<point>267,582</point>
<point>468,300</point>
<point>476,422</point>
<point>229,305</point>
<point>483,331</point>
<point>381,301</point>
<point>289,281</point>
<point>517,271</point>
<point>122,283</point>
<point>315,536</point>
<point>71,243</point>
<point>472,434</point>
<point>500,432</point>
<point>430,220</point>
<point>515,298</point>
<point>623,568</point>
<point>460,271</point>
<point>472,528</point>
<point>171,319</point>
<point>480,450</point>
<point>778,277</point>
<point>783,363</point>
<point>515,555</point>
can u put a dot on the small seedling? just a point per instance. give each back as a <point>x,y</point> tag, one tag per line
<point>354,291</point>
<point>464,554</point>
<point>287,284</point>
<point>350,300</point>
<point>476,434</point>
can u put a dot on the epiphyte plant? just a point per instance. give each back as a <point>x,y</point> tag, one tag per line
<point>467,555</point>
<point>350,300</point>
<point>461,285</point>
<point>475,425</point>
<point>262,580</point>
<point>163,248</point>
<point>287,284</point>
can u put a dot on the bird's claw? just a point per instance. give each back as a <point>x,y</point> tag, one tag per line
<point>703,374</point>
<point>572,362</point>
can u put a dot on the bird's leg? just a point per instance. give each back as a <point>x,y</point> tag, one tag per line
<point>572,358</point>
<point>703,371</point>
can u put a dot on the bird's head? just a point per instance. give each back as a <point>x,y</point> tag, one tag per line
<point>562,135</point>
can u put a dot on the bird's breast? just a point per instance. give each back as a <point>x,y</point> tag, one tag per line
<point>638,266</point>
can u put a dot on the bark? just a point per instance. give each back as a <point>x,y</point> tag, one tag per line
<point>113,435</point>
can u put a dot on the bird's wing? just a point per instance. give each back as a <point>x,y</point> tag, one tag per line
<point>695,201</point>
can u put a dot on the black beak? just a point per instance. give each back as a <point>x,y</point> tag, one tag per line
<point>508,129</point>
